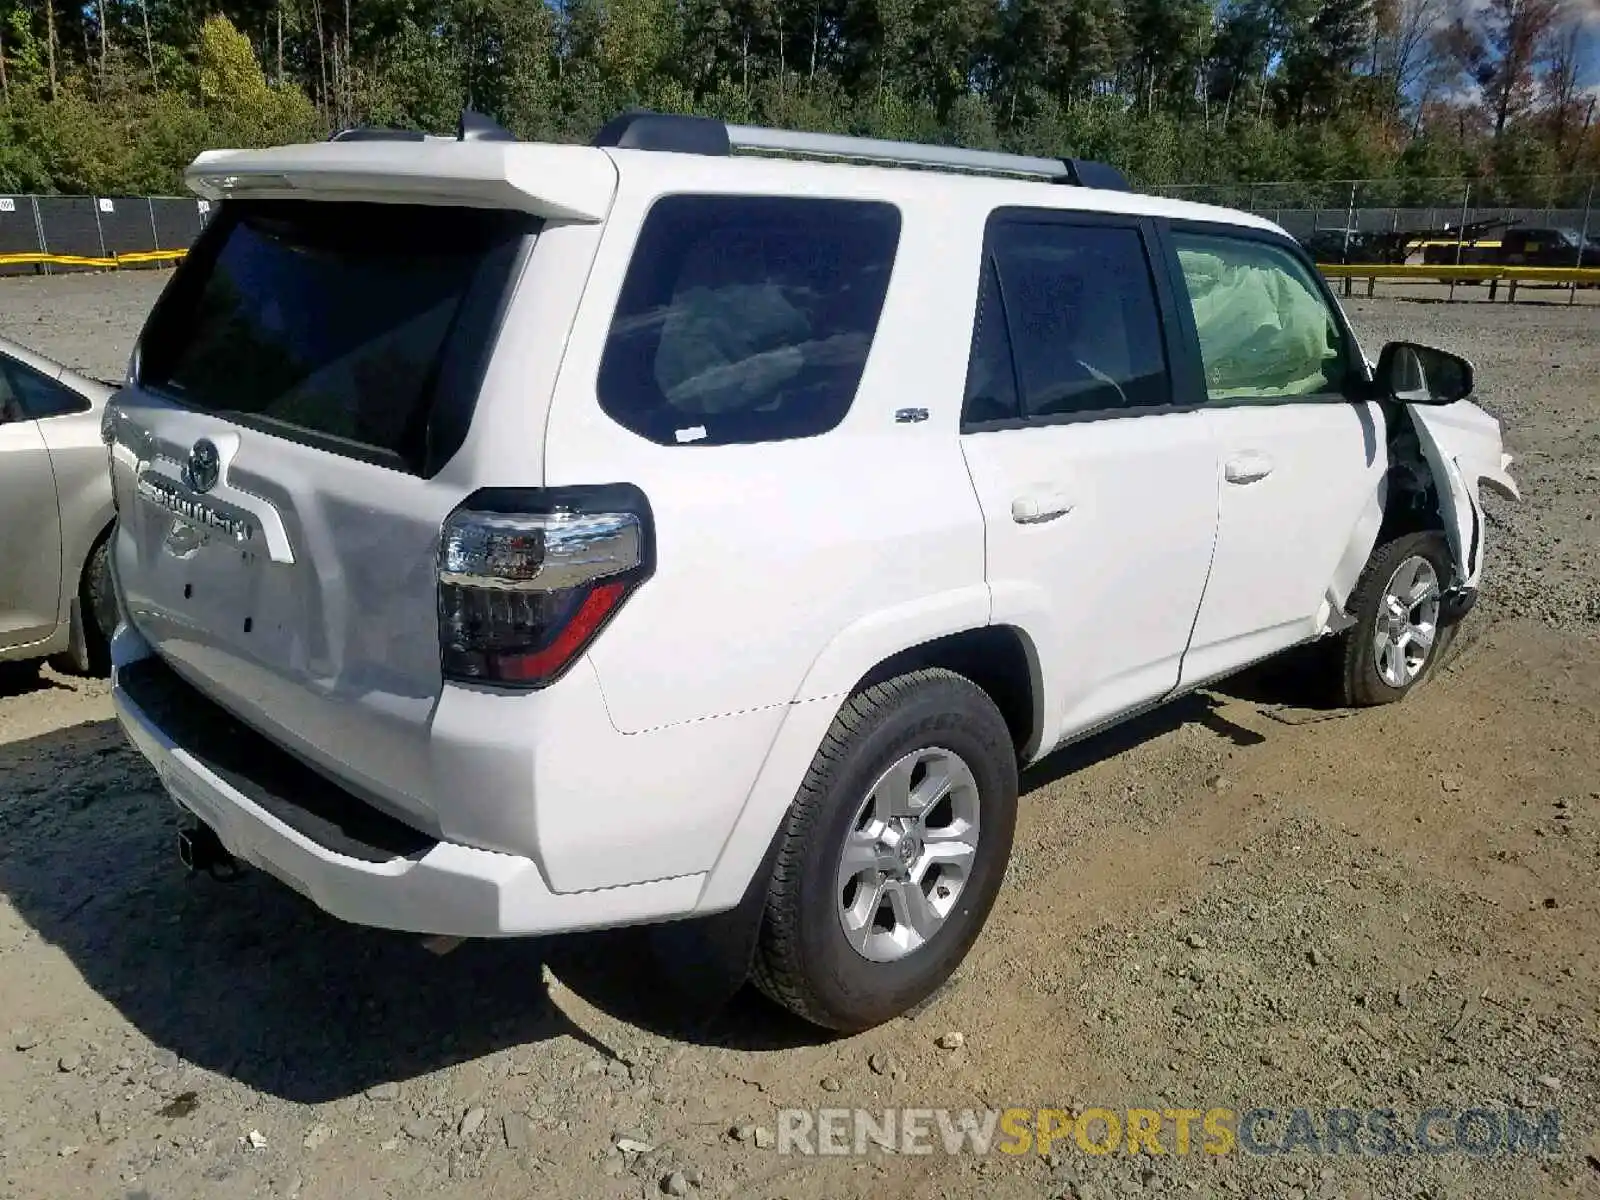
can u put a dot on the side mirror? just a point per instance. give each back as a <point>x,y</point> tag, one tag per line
<point>1415,374</point>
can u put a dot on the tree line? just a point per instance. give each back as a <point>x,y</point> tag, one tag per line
<point>116,96</point>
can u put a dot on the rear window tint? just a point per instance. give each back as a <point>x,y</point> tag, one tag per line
<point>991,373</point>
<point>746,319</point>
<point>360,328</point>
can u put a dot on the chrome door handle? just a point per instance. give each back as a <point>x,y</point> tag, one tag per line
<point>1036,510</point>
<point>1248,468</point>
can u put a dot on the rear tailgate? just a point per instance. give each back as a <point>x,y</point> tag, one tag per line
<point>301,391</point>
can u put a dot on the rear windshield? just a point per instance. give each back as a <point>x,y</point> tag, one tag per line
<point>747,318</point>
<point>360,328</point>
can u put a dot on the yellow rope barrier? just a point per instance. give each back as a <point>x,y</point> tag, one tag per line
<point>80,260</point>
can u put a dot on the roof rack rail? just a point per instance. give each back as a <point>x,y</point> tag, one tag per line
<point>705,135</point>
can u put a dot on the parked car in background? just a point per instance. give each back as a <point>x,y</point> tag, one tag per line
<point>1456,245</point>
<point>1530,246</point>
<point>593,535</point>
<point>1501,244</point>
<point>55,513</point>
<point>1354,246</point>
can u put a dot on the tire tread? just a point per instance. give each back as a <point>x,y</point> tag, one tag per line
<point>777,969</point>
<point>93,599</point>
<point>1356,680</point>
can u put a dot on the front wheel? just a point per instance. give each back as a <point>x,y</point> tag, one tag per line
<point>892,854</point>
<point>1397,604</point>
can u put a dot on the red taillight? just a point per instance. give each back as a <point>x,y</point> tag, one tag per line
<point>539,666</point>
<point>527,578</point>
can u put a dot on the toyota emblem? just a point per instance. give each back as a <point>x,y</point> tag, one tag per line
<point>200,472</point>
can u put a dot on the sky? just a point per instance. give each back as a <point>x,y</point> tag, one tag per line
<point>1590,14</point>
<point>1585,12</point>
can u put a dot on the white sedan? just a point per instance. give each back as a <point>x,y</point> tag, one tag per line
<point>55,513</point>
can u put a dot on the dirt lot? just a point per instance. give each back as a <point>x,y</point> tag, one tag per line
<point>1239,902</point>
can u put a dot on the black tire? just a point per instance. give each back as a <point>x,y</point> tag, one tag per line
<point>1360,683</point>
<point>97,601</point>
<point>803,960</point>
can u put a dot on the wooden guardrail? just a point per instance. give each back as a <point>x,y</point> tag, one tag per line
<point>1492,274</point>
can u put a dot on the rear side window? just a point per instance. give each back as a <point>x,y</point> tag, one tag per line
<point>746,318</point>
<point>40,397</point>
<point>1075,309</point>
<point>360,328</point>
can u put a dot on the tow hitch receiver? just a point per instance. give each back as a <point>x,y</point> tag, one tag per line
<point>199,849</point>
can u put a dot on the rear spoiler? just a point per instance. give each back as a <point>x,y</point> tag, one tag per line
<point>565,183</point>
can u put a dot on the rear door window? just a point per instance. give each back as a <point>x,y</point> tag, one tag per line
<point>1069,324</point>
<point>359,328</point>
<point>746,318</point>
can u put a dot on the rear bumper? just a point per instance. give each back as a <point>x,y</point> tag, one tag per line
<point>353,862</point>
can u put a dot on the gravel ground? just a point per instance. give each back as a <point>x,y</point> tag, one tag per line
<point>1237,902</point>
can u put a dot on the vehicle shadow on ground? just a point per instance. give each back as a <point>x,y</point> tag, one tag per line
<point>1302,678</point>
<point>1195,709</point>
<point>1295,679</point>
<point>25,678</point>
<point>249,980</point>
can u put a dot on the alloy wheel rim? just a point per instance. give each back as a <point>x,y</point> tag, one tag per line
<point>1407,623</point>
<point>908,855</point>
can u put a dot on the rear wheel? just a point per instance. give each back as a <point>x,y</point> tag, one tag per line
<point>893,852</point>
<point>1397,604</point>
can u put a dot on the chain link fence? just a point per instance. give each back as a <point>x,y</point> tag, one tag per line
<point>44,234</point>
<point>37,233</point>
<point>1397,206</point>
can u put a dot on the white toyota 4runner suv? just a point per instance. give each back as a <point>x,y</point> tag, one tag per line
<point>518,538</point>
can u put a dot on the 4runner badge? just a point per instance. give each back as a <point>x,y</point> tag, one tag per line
<point>183,503</point>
